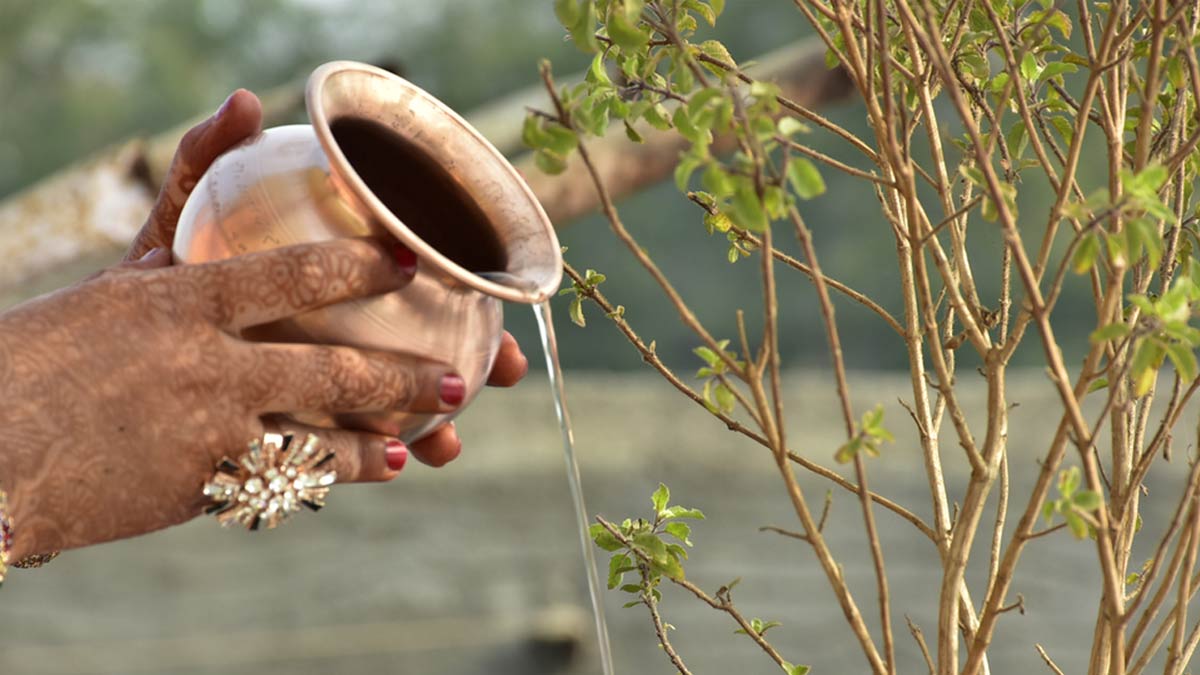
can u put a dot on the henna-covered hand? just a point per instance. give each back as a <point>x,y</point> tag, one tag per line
<point>121,393</point>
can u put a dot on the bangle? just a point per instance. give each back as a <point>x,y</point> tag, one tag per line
<point>6,541</point>
<point>6,535</point>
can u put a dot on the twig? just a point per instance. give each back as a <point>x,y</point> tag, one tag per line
<point>1048,660</point>
<point>920,638</point>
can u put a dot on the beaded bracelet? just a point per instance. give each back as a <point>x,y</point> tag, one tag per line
<point>6,541</point>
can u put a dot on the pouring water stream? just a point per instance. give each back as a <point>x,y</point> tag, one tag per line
<point>550,347</point>
<point>545,321</point>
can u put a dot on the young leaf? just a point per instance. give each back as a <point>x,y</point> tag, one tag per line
<point>616,569</point>
<point>1087,500</point>
<point>682,512</point>
<point>680,531</point>
<point>550,161</point>
<point>569,12</point>
<point>660,498</point>
<point>747,209</point>
<point>805,178</point>
<point>604,539</point>
<point>1085,253</point>
<point>1183,359</point>
<point>624,30</point>
<point>1110,332</point>
<point>652,546</point>
<point>717,51</point>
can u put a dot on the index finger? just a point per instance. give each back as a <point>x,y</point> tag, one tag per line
<point>238,118</point>
<point>271,285</point>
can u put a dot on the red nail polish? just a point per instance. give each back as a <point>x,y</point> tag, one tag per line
<point>406,258</point>
<point>397,455</point>
<point>453,390</point>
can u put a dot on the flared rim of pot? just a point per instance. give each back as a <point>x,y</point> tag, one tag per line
<point>533,258</point>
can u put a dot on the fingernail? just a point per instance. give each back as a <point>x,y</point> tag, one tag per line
<point>453,390</point>
<point>407,259</point>
<point>397,455</point>
<point>147,254</point>
<point>224,106</point>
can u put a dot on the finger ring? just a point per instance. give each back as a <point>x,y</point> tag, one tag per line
<point>271,482</point>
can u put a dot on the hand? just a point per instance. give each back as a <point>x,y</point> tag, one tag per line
<point>122,392</point>
<point>239,118</point>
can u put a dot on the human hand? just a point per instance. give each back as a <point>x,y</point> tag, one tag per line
<point>239,118</point>
<point>124,391</point>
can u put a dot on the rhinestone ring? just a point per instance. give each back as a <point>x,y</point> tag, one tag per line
<point>270,482</point>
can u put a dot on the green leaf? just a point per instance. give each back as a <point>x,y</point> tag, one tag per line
<point>660,498</point>
<point>560,139</point>
<point>1146,361</point>
<point>804,178</point>
<point>792,669</point>
<point>576,312</point>
<point>1184,360</point>
<point>632,133</point>
<point>549,161</point>
<point>1098,384</point>
<point>1087,500</point>
<point>670,567</point>
<point>1085,253</point>
<point>1056,69</point>
<point>684,170</point>
<point>1084,258</point>
<point>1110,332</point>
<point>1066,130</point>
<point>747,209</point>
<point>1029,67</point>
<point>1048,511</point>
<point>709,356</point>
<point>652,546</point>
<point>1077,524</point>
<point>598,74</point>
<point>682,512</point>
<point>847,452</point>
<point>624,30</point>
<point>790,126</point>
<point>533,135</point>
<point>703,99</point>
<point>1068,481</point>
<point>658,117</point>
<point>617,566</point>
<point>1017,139</point>
<point>583,31</point>
<point>715,50</point>
<point>683,123</point>
<point>604,539</point>
<point>680,531</point>
<point>569,12</point>
<point>718,222</point>
<point>718,6</point>
<point>717,181</point>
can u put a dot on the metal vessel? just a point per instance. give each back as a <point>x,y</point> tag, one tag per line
<point>378,148</point>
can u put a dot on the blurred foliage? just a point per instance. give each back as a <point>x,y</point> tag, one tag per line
<point>81,74</point>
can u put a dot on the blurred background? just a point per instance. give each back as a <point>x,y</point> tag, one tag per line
<point>476,568</point>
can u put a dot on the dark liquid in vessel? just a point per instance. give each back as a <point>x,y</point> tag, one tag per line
<point>421,194</point>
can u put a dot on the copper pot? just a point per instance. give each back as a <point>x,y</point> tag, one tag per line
<point>383,158</point>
